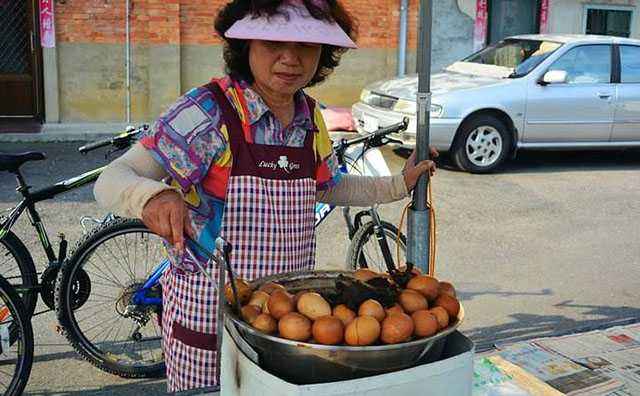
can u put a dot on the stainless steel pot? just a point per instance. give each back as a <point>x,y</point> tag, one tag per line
<point>306,363</point>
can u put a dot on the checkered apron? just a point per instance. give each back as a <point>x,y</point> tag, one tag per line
<point>269,221</point>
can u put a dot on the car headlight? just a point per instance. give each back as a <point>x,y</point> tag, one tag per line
<point>409,107</point>
<point>364,95</point>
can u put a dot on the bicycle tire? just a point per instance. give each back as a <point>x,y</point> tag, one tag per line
<point>67,313</point>
<point>362,237</point>
<point>11,246</point>
<point>20,332</point>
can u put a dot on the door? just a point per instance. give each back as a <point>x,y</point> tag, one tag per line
<point>20,61</point>
<point>512,17</point>
<point>626,126</point>
<point>579,110</point>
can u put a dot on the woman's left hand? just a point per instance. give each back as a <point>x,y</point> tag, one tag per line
<point>413,171</point>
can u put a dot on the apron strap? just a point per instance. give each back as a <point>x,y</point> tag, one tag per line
<point>229,115</point>
<point>310,137</point>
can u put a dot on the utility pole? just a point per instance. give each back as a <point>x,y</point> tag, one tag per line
<point>418,217</point>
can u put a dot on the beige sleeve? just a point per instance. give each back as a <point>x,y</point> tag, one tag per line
<point>355,190</point>
<point>127,183</point>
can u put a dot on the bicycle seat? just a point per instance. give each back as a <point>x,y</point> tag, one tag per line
<point>11,162</point>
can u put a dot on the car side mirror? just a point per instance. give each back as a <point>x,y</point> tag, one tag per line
<point>554,77</point>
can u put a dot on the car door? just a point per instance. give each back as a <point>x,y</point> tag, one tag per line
<point>579,110</point>
<point>626,126</point>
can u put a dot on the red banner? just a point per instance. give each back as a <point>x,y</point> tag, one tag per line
<point>544,16</point>
<point>47,26</point>
<point>480,27</point>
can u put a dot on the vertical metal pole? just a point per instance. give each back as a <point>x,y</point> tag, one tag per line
<point>402,38</point>
<point>418,218</point>
<point>127,60</point>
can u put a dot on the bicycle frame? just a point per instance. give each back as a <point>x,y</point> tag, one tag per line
<point>31,198</point>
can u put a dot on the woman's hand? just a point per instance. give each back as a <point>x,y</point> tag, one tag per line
<point>413,171</point>
<point>166,215</point>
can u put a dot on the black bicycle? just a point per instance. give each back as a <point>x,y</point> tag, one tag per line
<point>16,342</point>
<point>16,263</point>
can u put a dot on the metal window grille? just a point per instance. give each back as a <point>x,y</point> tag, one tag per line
<point>15,40</point>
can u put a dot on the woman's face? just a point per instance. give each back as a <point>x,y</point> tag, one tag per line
<point>283,67</point>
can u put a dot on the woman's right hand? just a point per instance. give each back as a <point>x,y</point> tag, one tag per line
<point>166,215</point>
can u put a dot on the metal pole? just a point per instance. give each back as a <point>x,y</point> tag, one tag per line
<point>418,218</point>
<point>127,61</point>
<point>402,38</point>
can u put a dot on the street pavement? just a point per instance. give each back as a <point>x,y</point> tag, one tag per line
<point>547,246</point>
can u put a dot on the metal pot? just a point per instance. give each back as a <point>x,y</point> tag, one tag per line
<point>306,363</point>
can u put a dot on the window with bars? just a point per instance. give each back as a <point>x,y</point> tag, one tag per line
<point>15,45</point>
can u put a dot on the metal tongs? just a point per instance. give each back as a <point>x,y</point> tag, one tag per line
<point>221,258</point>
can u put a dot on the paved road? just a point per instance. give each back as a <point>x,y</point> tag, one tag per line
<point>546,246</point>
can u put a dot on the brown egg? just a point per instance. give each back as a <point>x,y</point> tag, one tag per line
<point>412,301</point>
<point>313,305</point>
<point>243,289</point>
<point>249,313</point>
<point>441,315</point>
<point>296,296</point>
<point>426,285</point>
<point>364,274</point>
<point>364,330</point>
<point>259,298</point>
<point>425,323</point>
<point>343,313</point>
<point>280,303</point>
<point>372,308</point>
<point>328,330</point>
<point>271,287</point>
<point>396,308</point>
<point>450,304</point>
<point>446,288</point>
<point>294,326</point>
<point>396,328</point>
<point>265,323</point>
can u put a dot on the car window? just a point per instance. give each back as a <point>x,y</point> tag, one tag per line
<point>630,64</point>
<point>586,64</point>
<point>520,55</point>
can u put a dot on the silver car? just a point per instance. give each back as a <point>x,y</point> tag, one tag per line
<point>529,91</point>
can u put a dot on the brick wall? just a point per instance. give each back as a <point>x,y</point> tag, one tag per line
<point>191,21</point>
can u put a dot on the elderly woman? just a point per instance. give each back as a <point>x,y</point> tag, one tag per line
<point>248,156</point>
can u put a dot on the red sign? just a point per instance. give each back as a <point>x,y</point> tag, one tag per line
<point>544,16</point>
<point>47,27</point>
<point>480,27</point>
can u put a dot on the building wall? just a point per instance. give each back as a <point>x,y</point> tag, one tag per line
<point>174,47</point>
<point>566,16</point>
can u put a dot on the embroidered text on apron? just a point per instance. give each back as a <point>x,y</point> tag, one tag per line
<point>269,220</point>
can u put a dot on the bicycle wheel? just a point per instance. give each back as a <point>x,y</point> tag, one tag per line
<point>16,342</point>
<point>94,300</point>
<point>364,250</point>
<point>16,266</point>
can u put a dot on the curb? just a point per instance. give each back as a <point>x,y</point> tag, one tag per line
<point>67,133</point>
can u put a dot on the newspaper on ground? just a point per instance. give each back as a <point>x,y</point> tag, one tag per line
<point>614,352</point>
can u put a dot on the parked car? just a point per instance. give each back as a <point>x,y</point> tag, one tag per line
<point>525,92</point>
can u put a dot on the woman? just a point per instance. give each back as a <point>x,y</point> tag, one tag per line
<point>248,156</point>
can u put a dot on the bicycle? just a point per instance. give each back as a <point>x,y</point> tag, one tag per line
<point>18,267</point>
<point>104,258</point>
<point>16,342</point>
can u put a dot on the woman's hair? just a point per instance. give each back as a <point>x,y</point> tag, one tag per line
<point>236,51</point>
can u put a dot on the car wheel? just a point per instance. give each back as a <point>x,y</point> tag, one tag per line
<point>482,144</point>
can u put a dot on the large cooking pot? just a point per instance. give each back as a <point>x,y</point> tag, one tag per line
<point>306,363</point>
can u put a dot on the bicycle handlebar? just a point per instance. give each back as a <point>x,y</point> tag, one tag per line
<point>379,134</point>
<point>120,141</point>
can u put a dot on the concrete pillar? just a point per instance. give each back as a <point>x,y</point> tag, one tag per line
<point>51,90</point>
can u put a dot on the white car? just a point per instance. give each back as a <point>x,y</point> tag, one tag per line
<point>529,91</point>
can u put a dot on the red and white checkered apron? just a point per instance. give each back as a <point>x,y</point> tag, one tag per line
<point>269,221</point>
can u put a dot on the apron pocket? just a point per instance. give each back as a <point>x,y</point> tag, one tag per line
<point>194,338</point>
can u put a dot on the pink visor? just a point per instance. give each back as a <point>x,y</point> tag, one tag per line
<point>299,27</point>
